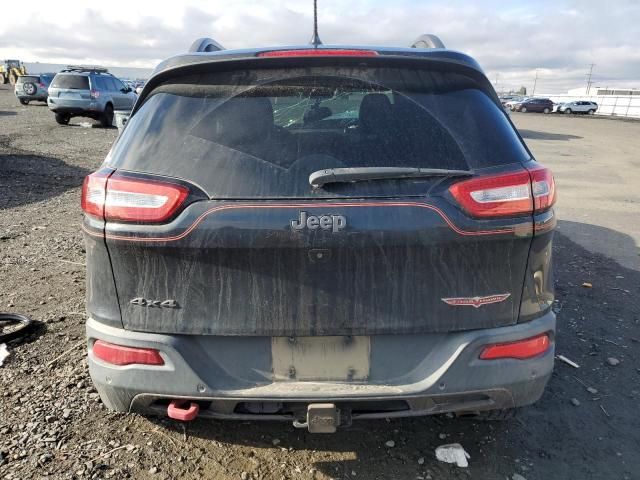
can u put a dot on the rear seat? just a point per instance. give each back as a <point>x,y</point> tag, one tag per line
<point>247,124</point>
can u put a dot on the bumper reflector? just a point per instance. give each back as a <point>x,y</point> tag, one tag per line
<point>121,355</point>
<point>521,349</point>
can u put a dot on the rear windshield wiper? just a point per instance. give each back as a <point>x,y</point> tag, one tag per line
<point>362,174</point>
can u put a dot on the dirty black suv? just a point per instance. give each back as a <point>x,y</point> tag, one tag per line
<point>318,235</point>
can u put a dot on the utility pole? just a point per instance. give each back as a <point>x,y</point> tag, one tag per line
<point>535,81</point>
<point>589,77</point>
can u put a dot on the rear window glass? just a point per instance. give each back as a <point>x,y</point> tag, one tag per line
<point>76,82</point>
<point>27,78</point>
<point>261,133</point>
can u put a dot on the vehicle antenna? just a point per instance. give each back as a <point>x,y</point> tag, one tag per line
<point>315,40</point>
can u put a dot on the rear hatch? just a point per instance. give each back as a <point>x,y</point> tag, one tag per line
<point>70,89</point>
<point>213,225</point>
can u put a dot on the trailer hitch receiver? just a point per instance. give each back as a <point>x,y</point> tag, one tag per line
<point>321,418</point>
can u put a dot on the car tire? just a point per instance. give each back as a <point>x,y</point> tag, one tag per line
<point>24,101</point>
<point>591,112</point>
<point>62,118</point>
<point>106,120</point>
<point>546,110</point>
<point>567,111</point>
<point>523,109</point>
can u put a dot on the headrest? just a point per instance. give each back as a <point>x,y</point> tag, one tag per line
<point>239,120</point>
<point>375,111</point>
<point>315,114</point>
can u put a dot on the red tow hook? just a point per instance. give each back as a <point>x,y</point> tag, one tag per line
<point>183,410</point>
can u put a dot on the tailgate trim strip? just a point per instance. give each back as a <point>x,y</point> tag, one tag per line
<point>509,230</point>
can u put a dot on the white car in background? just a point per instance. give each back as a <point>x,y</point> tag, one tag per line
<point>510,104</point>
<point>578,106</point>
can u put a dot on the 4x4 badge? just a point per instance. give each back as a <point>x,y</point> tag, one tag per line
<point>476,302</point>
<point>335,223</point>
<point>143,302</point>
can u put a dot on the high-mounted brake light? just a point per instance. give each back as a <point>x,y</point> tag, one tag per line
<point>130,199</point>
<point>521,349</point>
<point>510,194</point>
<point>319,52</point>
<point>121,355</point>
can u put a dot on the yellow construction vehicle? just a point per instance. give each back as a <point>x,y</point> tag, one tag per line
<point>10,70</point>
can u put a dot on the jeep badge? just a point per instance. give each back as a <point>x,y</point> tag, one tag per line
<point>335,223</point>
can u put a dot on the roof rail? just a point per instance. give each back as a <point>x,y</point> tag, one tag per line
<point>85,68</point>
<point>427,40</point>
<point>205,45</point>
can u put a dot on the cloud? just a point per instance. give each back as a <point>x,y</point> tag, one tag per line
<point>509,39</point>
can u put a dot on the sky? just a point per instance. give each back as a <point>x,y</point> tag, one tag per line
<point>512,40</point>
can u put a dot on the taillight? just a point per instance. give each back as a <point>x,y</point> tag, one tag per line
<point>507,194</point>
<point>131,199</point>
<point>93,193</point>
<point>496,195</point>
<point>543,187</point>
<point>136,200</point>
<point>319,52</point>
<point>41,85</point>
<point>521,349</point>
<point>94,94</point>
<point>121,355</point>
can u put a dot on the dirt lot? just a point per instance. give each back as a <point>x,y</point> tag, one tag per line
<point>52,425</point>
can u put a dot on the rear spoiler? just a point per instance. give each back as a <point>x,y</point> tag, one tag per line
<point>425,48</point>
<point>205,44</point>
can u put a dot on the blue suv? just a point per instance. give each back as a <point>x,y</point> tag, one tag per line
<point>80,91</point>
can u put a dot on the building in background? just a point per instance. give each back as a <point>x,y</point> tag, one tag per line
<point>604,91</point>
<point>613,101</point>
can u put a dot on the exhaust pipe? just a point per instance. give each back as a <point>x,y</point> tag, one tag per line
<point>183,410</point>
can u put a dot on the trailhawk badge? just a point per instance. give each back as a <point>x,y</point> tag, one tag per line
<point>476,302</point>
<point>335,223</point>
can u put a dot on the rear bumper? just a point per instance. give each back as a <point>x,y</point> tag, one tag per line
<point>231,377</point>
<point>74,111</point>
<point>74,107</point>
<point>37,96</point>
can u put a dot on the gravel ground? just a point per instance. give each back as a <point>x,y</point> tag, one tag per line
<point>53,425</point>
